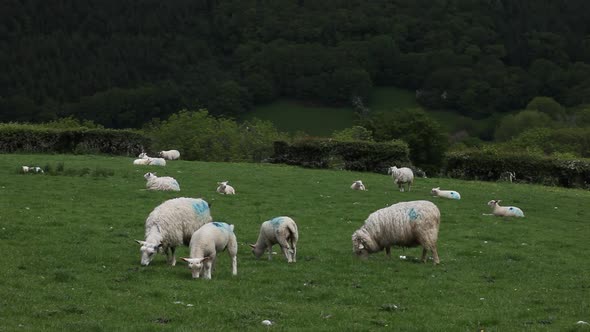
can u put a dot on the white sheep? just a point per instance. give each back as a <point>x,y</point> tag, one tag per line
<point>206,242</point>
<point>445,193</point>
<point>161,183</point>
<point>141,161</point>
<point>281,230</point>
<point>170,154</point>
<point>358,185</point>
<point>401,176</point>
<point>225,188</point>
<point>504,211</point>
<point>171,224</point>
<point>406,224</point>
<point>157,161</point>
<point>32,169</point>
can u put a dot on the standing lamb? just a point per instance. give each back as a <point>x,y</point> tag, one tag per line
<point>402,176</point>
<point>358,185</point>
<point>281,230</point>
<point>206,242</point>
<point>504,211</point>
<point>445,193</point>
<point>161,183</point>
<point>171,224</point>
<point>170,154</point>
<point>406,224</point>
<point>225,188</point>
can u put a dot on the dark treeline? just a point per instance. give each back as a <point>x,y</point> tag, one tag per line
<point>122,63</point>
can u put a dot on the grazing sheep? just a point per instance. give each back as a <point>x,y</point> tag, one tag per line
<point>225,188</point>
<point>171,224</point>
<point>406,224</point>
<point>358,185</point>
<point>445,193</point>
<point>161,183</point>
<point>170,154</point>
<point>206,242</point>
<point>281,230</point>
<point>504,211</point>
<point>402,176</point>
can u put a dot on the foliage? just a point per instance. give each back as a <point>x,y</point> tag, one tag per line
<point>548,106</point>
<point>80,140</point>
<point>355,133</point>
<point>71,262</point>
<point>488,165</point>
<point>349,155</point>
<point>200,136</point>
<point>514,124</point>
<point>551,141</point>
<point>426,140</point>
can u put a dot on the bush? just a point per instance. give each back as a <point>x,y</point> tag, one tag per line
<point>349,155</point>
<point>40,139</point>
<point>530,168</point>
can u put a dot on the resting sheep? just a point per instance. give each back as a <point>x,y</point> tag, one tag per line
<point>225,188</point>
<point>358,185</point>
<point>402,176</point>
<point>504,211</point>
<point>141,161</point>
<point>206,242</point>
<point>170,154</point>
<point>406,224</point>
<point>171,224</point>
<point>281,230</point>
<point>161,183</point>
<point>445,193</point>
<point>32,169</point>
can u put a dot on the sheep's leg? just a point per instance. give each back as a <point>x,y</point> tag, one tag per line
<point>269,252</point>
<point>294,256</point>
<point>170,256</point>
<point>388,251</point>
<point>435,255</point>
<point>234,265</point>
<point>207,266</point>
<point>286,248</point>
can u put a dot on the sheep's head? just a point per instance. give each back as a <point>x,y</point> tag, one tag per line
<point>161,153</point>
<point>196,265</point>
<point>148,251</point>
<point>143,155</point>
<point>434,190</point>
<point>257,251</point>
<point>494,203</point>
<point>359,246</point>
<point>149,175</point>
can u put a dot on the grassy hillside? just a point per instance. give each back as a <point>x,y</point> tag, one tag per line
<point>69,261</point>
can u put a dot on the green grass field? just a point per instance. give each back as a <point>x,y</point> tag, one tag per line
<point>69,261</point>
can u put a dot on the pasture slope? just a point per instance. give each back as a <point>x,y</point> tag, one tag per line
<point>69,260</point>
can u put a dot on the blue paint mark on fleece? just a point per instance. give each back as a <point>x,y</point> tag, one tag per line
<point>222,225</point>
<point>175,184</point>
<point>455,195</point>
<point>277,221</point>
<point>200,207</point>
<point>516,211</point>
<point>413,214</point>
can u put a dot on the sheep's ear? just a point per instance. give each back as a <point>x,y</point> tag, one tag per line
<point>498,201</point>
<point>140,242</point>
<point>185,259</point>
<point>252,246</point>
<point>204,259</point>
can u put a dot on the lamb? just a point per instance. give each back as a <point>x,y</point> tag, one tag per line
<point>504,211</point>
<point>157,161</point>
<point>402,176</point>
<point>171,224</point>
<point>358,185</point>
<point>170,154</point>
<point>149,160</point>
<point>281,230</point>
<point>445,193</point>
<point>406,224</point>
<point>225,188</point>
<point>206,242</point>
<point>161,183</point>
<point>141,161</point>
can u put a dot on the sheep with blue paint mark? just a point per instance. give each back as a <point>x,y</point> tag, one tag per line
<point>161,183</point>
<point>281,230</point>
<point>402,177</point>
<point>450,194</point>
<point>170,154</point>
<point>206,243</point>
<point>504,211</point>
<point>405,224</point>
<point>172,224</point>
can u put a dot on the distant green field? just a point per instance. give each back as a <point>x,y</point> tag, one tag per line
<point>69,260</point>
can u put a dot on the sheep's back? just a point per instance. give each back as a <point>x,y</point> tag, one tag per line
<point>179,218</point>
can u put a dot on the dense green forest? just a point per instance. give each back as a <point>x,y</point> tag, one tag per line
<point>123,63</point>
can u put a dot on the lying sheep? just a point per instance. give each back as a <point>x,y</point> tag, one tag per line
<point>171,224</point>
<point>149,160</point>
<point>206,242</point>
<point>402,176</point>
<point>157,161</point>
<point>358,185</point>
<point>445,193</point>
<point>504,211</point>
<point>32,169</point>
<point>141,161</point>
<point>281,230</point>
<point>170,154</point>
<point>161,183</point>
<point>406,224</point>
<point>225,188</point>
